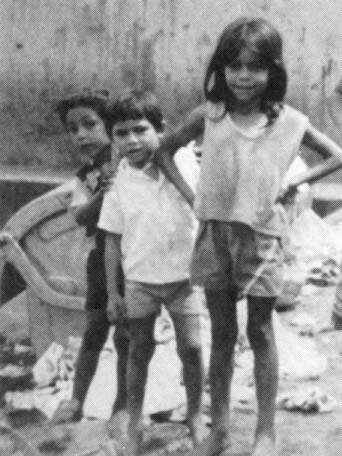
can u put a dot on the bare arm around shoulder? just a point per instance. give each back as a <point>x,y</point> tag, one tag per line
<point>191,129</point>
<point>113,257</point>
<point>89,211</point>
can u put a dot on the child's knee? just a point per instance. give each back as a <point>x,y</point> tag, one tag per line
<point>141,348</point>
<point>224,336</point>
<point>190,353</point>
<point>260,335</point>
<point>95,336</point>
<point>121,339</point>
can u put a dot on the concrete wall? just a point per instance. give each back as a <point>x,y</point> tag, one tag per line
<point>50,47</point>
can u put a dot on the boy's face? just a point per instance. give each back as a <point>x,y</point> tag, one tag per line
<point>136,140</point>
<point>87,131</point>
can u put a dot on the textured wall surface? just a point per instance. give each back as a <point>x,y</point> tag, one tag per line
<point>51,47</point>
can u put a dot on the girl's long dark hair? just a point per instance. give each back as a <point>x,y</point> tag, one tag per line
<point>265,40</point>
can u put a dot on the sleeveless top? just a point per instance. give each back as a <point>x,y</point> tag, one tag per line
<point>242,169</point>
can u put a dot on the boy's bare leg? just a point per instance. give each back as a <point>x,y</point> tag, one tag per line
<point>141,348</point>
<point>121,343</point>
<point>188,333</point>
<point>224,329</point>
<point>118,424</point>
<point>93,340</point>
<point>261,336</point>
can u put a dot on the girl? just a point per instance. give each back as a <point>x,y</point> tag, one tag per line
<point>84,117</point>
<point>250,139</point>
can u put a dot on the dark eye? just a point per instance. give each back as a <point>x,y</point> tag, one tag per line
<point>139,130</point>
<point>72,128</point>
<point>234,65</point>
<point>257,66</point>
<point>121,133</point>
<point>89,123</point>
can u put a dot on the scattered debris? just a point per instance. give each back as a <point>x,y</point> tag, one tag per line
<point>324,274</point>
<point>303,319</point>
<point>313,239</point>
<point>13,444</point>
<point>309,290</point>
<point>16,360</point>
<point>308,400</point>
<point>299,357</point>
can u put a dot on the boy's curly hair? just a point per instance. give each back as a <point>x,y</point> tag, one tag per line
<point>132,105</point>
<point>95,99</point>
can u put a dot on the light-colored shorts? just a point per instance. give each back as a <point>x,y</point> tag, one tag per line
<point>230,255</point>
<point>144,299</point>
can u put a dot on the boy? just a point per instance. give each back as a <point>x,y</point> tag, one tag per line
<point>151,228</point>
<point>84,117</point>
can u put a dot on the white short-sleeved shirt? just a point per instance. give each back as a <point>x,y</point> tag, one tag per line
<point>157,225</point>
<point>242,170</point>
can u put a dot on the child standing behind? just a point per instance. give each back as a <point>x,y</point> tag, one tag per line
<point>250,139</point>
<point>84,117</point>
<point>151,229</point>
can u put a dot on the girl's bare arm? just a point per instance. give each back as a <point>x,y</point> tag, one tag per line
<point>191,129</point>
<point>321,143</point>
<point>328,149</point>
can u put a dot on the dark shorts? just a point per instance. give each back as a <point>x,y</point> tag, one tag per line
<point>96,298</point>
<point>230,255</point>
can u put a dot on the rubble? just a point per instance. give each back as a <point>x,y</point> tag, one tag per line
<point>307,400</point>
<point>299,358</point>
<point>311,239</point>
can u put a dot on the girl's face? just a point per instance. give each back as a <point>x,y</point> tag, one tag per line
<point>247,77</point>
<point>87,131</point>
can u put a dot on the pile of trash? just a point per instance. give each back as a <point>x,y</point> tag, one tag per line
<point>299,357</point>
<point>313,253</point>
<point>52,380</point>
<point>53,375</point>
<point>307,400</point>
<point>315,246</point>
<point>16,361</point>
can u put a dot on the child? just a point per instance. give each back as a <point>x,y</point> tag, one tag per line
<point>150,226</point>
<point>83,116</point>
<point>250,139</point>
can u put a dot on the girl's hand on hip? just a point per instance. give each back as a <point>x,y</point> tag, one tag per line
<point>287,195</point>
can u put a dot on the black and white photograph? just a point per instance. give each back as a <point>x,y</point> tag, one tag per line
<point>170,228</point>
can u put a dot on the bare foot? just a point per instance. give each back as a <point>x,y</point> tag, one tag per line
<point>132,446</point>
<point>265,445</point>
<point>117,426</point>
<point>198,430</point>
<point>67,412</point>
<point>218,443</point>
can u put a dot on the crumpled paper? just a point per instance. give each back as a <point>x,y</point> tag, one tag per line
<point>56,363</point>
<point>307,400</point>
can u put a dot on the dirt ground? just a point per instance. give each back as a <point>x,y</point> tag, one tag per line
<point>299,434</point>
